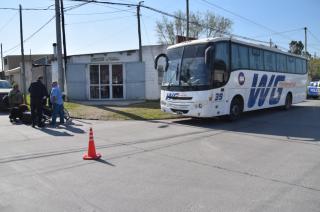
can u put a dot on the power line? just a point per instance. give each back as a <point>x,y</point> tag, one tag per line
<point>100,13</point>
<point>30,36</point>
<point>246,19</point>
<point>240,16</point>
<point>9,21</point>
<point>170,15</point>
<point>74,6</point>
<point>202,25</point>
<point>106,2</point>
<point>38,30</point>
<point>283,32</point>
<point>317,39</point>
<point>26,9</point>
<point>99,20</point>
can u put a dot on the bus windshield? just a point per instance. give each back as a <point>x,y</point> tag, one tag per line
<point>187,67</point>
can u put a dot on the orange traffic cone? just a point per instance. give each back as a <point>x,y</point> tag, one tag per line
<point>91,155</point>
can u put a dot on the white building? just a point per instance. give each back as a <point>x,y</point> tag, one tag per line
<point>112,75</point>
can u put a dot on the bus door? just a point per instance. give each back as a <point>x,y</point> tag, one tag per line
<point>220,72</point>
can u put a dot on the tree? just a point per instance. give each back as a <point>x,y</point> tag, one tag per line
<point>215,25</point>
<point>296,47</point>
<point>314,68</point>
<point>208,24</point>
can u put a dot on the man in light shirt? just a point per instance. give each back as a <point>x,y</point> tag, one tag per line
<point>57,104</point>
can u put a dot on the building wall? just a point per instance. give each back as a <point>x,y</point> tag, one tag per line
<point>152,84</point>
<point>135,80</point>
<point>13,61</point>
<point>108,58</point>
<point>77,82</point>
<point>140,79</point>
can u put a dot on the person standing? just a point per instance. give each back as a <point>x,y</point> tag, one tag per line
<point>38,95</point>
<point>57,104</point>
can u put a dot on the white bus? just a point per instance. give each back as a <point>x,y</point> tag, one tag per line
<point>224,76</point>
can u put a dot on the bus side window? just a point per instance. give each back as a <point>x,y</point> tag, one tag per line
<point>281,63</point>
<point>221,64</point>
<point>291,65</point>
<point>240,57</point>
<point>299,66</point>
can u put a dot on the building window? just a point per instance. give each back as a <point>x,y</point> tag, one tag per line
<point>106,81</point>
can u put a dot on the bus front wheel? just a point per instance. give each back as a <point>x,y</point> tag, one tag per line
<point>236,109</point>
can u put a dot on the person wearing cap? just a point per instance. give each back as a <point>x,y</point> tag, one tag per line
<point>38,95</point>
<point>57,104</point>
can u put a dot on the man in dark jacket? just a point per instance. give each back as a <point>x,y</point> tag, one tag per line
<point>38,95</point>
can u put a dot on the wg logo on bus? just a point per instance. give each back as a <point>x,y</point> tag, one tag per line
<point>262,90</point>
<point>171,95</point>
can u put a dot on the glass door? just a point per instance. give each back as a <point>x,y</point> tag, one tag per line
<point>94,82</point>
<point>106,81</point>
<point>117,81</point>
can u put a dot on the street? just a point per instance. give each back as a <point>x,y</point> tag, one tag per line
<point>268,160</point>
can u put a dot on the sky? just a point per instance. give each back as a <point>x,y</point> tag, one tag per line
<point>103,28</point>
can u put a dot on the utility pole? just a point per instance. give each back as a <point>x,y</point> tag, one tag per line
<point>139,31</point>
<point>2,66</point>
<point>64,47</point>
<point>305,40</point>
<point>187,12</point>
<point>59,48</point>
<point>270,43</point>
<point>23,69</point>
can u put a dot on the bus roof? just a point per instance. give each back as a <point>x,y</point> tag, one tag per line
<point>216,39</point>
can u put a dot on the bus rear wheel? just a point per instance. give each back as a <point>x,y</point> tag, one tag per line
<point>288,102</point>
<point>236,108</point>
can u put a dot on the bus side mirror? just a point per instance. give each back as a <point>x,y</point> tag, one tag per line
<point>208,55</point>
<point>160,68</point>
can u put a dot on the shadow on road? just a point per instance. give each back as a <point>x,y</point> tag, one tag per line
<point>300,123</point>
<point>105,162</point>
<point>55,132</point>
<point>73,129</point>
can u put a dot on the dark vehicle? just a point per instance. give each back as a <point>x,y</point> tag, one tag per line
<point>5,88</point>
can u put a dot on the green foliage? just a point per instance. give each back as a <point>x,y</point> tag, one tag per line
<point>314,68</point>
<point>296,47</point>
<point>207,24</point>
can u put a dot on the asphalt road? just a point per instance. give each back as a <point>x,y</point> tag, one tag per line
<point>267,161</point>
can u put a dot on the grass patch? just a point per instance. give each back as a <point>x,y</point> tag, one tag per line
<point>149,110</point>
